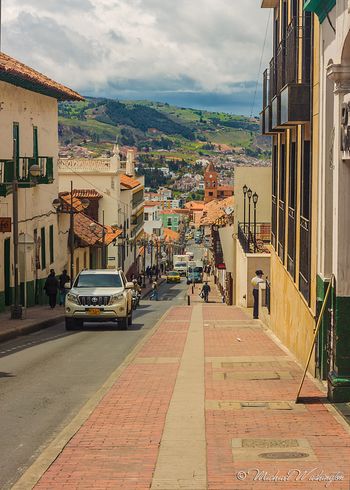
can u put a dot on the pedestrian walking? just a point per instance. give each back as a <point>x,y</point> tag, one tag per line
<point>257,279</point>
<point>51,288</point>
<point>205,292</point>
<point>154,294</point>
<point>63,280</point>
<point>148,271</point>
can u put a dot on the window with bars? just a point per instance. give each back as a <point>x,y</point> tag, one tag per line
<point>274,196</point>
<point>305,223</point>
<point>291,208</point>
<point>281,203</point>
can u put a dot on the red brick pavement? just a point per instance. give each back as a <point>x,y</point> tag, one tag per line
<point>118,445</point>
<point>328,439</point>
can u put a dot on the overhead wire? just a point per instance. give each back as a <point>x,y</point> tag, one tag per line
<point>260,63</point>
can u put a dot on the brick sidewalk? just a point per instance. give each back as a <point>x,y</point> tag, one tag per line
<point>249,421</point>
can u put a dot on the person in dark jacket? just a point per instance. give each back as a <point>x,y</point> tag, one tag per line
<point>51,288</point>
<point>63,280</point>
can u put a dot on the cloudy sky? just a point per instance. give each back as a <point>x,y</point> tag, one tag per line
<point>198,53</point>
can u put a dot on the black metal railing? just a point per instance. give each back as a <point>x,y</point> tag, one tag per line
<point>268,296</point>
<point>281,229</point>
<point>305,258</point>
<point>274,222</point>
<point>265,88</point>
<point>24,177</point>
<point>272,79</point>
<point>281,66</point>
<point>291,64</point>
<point>291,242</point>
<point>254,239</point>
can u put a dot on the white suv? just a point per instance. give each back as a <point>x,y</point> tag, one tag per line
<point>99,296</point>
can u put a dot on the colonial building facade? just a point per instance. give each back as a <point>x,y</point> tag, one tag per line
<point>28,128</point>
<point>290,116</point>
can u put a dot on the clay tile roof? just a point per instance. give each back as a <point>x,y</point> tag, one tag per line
<point>66,198</point>
<point>151,203</point>
<point>87,194</point>
<point>91,232</point>
<point>215,210</point>
<point>170,235</point>
<point>129,182</point>
<point>17,73</point>
<point>195,205</point>
<point>226,188</point>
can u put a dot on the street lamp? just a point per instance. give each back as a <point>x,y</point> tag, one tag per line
<point>255,201</point>
<point>57,204</point>
<point>249,194</point>
<point>245,190</point>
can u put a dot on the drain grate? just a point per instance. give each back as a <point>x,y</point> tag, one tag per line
<point>269,443</point>
<point>284,455</point>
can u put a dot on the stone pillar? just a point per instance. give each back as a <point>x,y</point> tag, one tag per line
<point>339,376</point>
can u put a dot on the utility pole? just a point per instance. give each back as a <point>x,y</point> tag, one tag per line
<point>16,311</point>
<point>104,254</point>
<point>71,234</point>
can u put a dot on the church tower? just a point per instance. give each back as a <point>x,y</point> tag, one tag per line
<point>210,183</point>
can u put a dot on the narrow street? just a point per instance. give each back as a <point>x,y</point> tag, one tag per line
<point>206,402</point>
<point>46,377</point>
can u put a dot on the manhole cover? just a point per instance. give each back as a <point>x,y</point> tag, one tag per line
<point>284,455</point>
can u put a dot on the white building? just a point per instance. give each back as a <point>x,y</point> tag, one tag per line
<point>121,202</point>
<point>28,128</point>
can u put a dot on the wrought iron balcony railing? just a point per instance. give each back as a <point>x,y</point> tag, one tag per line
<point>24,177</point>
<point>254,239</point>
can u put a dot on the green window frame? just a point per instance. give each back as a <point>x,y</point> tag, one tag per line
<point>16,146</point>
<point>51,241</point>
<point>35,143</point>
<point>43,248</point>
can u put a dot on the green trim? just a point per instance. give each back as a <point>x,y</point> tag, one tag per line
<point>319,7</point>
<point>43,248</point>
<point>51,242</point>
<point>321,346</point>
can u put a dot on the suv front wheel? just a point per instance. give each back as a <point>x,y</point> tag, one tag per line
<point>123,323</point>
<point>71,323</point>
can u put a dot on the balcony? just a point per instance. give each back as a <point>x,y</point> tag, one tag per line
<point>254,239</point>
<point>268,122</point>
<point>25,180</point>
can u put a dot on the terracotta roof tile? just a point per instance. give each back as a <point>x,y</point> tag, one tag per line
<point>215,210</point>
<point>91,232</point>
<point>129,182</point>
<point>170,235</point>
<point>87,194</point>
<point>17,73</point>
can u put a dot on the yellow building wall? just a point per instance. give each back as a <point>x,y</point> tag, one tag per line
<point>291,319</point>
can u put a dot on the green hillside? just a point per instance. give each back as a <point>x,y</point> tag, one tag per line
<point>170,131</point>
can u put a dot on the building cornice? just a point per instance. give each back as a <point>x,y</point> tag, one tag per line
<point>340,75</point>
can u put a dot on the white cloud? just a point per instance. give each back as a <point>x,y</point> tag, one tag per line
<point>111,46</point>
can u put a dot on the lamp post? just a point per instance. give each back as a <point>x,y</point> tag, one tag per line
<point>245,189</point>
<point>249,194</point>
<point>255,201</point>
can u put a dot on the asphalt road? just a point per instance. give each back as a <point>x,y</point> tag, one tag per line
<point>46,377</point>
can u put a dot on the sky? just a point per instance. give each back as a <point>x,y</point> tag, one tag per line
<point>193,53</point>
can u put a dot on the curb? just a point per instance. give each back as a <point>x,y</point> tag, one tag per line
<point>31,328</point>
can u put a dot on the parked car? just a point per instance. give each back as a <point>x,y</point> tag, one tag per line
<point>173,276</point>
<point>99,296</point>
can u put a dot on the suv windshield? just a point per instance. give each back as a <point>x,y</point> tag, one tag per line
<point>98,281</point>
<point>181,264</point>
